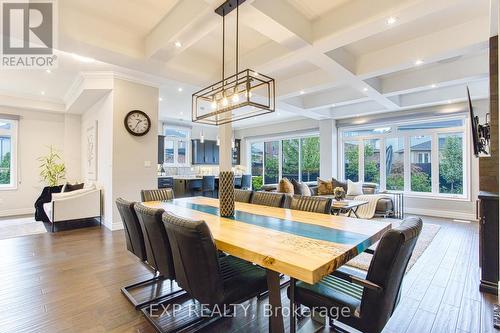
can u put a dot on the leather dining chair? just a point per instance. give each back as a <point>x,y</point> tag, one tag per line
<point>271,199</point>
<point>370,299</point>
<point>311,204</point>
<point>246,182</point>
<point>208,186</point>
<point>206,277</point>
<point>135,241</point>
<point>157,245</point>
<point>242,196</point>
<point>161,194</point>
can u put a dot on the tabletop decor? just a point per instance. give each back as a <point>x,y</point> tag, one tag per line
<point>226,193</point>
<point>339,193</point>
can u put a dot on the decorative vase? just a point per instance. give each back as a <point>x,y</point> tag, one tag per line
<point>226,193</point>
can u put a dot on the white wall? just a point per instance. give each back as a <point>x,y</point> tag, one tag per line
<point>132,153</point>
<point>37,131</point>
<point>102,112</point>
<point>122,157</point>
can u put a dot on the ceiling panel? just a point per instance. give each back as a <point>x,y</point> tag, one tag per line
<point>313,9</point>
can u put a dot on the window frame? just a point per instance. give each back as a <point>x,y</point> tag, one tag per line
<point>280,139</point>
<point>406,135</point>
<point>13,134</point>
<point>176,141</point>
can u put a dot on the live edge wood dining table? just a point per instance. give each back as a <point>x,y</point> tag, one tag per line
<point>304,246</point>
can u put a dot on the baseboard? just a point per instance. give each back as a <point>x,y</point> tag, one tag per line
<point>442,213</point>
<point>19,211</point>
<point>116,226</point>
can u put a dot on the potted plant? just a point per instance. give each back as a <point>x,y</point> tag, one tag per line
<point>52,169</point>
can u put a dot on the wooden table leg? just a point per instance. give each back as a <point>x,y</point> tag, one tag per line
<point>276,319</point>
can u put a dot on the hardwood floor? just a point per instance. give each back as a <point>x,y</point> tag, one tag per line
<point>70,282</point>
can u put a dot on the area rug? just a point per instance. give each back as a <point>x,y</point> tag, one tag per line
<point>17,227</point>
<point>428,233</point>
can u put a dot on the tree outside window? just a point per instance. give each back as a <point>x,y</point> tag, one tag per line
<point>310,159</point>
<point>451,163</point>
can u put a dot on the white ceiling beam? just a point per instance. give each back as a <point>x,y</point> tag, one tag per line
<point>308,83</point>
<point>454,41</point>
<point>443,74</point>
<point>187,22</point>
<point>281,105</point>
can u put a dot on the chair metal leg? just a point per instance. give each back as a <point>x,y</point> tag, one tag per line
<point>52,227</point>
<point>156,278</point>
<point>292,306</point>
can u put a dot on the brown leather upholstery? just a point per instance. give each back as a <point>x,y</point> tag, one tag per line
<point>159,254</point>
<point>242,195</point>
<point>133,232</point>
<point>369,309</point>
<point>200,271</point>
<point>271,199</point>
<point>161,194</point>
<point>311,204</point>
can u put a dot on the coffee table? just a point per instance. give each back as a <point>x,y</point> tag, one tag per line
<point>348,207</point>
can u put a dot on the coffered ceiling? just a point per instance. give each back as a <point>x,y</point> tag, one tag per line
<point>331,58</point>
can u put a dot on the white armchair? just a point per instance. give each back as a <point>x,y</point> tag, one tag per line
<point>74,205</point>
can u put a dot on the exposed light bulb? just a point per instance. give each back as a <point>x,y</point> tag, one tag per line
<point>178,44</point>
<point>224,102</point>
<point>236,98</point>
<point>213,105</point>
<point>202,137</point>
<point>391,20</point>
<point>419,62</point>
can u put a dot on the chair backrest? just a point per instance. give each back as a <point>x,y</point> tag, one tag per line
<point>387,269</point>
<point>133,232</point>
<point>246,182</point>
<point>208,183</point>
<point>271,199</point>
<point>159,254</point>
<point>161,194</point>
<point>311,204</point>
<point>242,195</point>
<point>195,258</point>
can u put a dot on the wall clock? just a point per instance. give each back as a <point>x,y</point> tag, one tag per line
<point>137,123</point>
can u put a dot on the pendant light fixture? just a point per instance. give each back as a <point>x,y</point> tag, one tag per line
<point>242,95</point>
<point>202,137</point>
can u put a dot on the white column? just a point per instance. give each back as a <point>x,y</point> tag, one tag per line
<point>328,148</point>
<point>225,148</point>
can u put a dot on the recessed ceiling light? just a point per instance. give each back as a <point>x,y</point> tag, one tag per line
<point>433,85</point>
<point>365,89</point>
<point>48,71</point>
<point>419,62</point>
<point>179,89</point>
<point>42,93</point>
<point>302,92</point>
<point>160,99</point>
<point>334,105</point>
<point>82,58</point>
<point>391,20</point>
<point>449,101</point>
<point>178,44</point>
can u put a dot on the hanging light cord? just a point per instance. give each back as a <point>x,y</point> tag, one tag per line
<point>237,36</point>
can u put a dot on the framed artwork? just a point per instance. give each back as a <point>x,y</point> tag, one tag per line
<point>91,153</point>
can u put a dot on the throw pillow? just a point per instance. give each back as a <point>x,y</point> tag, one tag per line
<point>338,183</point>
<point>301,188</point>
<point>325,187</point>
<point>285,186</point>
<point>69,187</point>
<point>354,189</point>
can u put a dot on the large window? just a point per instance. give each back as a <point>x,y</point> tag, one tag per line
<point>290,158</point>
<point>451,159</point>
<point>293,158</point>
<point>351,160</point>
<point>421,165</point>
<point>177,142</point>
<point>8,136</point>
<point>271,162</point>
<point>309,158</point>
<point>423,158</point>
<point>395,164</point>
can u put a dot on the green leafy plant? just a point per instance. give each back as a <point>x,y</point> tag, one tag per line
<point>52,169</point>
<point>257,183</point>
